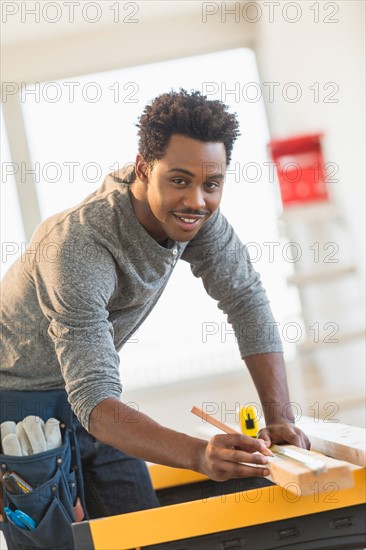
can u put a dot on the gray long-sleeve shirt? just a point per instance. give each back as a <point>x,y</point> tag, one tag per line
<point>89,278</point>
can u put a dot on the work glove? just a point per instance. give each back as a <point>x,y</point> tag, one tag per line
<point>30,436</point>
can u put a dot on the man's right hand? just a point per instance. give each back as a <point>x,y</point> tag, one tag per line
<point>224,454</point>
<point>134,433</point>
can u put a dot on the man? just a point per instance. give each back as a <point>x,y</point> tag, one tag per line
<point>93,273</point>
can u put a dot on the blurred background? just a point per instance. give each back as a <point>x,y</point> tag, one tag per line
<point>75,78</point>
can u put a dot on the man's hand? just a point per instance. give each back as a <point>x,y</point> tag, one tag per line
<point>269,376</point>
<point>284,432</point>
<point>224,453</point>
<point>134,433</point>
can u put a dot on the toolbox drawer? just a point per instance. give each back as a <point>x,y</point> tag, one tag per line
<point>337,529</point>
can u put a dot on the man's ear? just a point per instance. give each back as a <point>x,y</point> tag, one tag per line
<point>141,168</point>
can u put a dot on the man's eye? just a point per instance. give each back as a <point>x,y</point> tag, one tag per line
<point>179,181</point>
<point>212,184</point>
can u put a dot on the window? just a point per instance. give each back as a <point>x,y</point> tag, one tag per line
<point>12,232</point>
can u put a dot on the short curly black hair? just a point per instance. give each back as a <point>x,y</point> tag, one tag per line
<point>188,114</point>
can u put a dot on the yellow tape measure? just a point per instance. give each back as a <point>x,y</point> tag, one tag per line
<point>248,421</point>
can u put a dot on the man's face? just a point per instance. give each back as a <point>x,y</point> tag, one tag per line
<point>183,189</point>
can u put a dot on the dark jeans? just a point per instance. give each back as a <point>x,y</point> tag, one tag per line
<point>114,482</point>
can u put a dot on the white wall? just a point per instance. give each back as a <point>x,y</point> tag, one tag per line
<point>307,52</point>
<point>331,55</point>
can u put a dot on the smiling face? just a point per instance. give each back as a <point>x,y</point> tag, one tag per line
<point>181,191</point>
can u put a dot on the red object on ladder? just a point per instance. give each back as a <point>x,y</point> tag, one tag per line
<point>300,169</point>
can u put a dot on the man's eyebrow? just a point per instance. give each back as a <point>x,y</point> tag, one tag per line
<point>218,175</point>
<point>183,170</point>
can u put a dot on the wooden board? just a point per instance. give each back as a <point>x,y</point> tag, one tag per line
<point>299,479</point>
<point>336,440</point>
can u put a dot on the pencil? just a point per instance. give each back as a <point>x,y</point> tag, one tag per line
<point>223,427</point>
<point>211,420</point>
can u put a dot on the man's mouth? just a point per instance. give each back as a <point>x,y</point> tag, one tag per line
<point>188,222</point>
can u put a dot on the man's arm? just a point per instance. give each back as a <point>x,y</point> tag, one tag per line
<point>131,431</point>
<point>222,261</point>
<point>269,376</point>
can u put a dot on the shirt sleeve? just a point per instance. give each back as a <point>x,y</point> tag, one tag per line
<point>222,261</point>
<point>74,281</point>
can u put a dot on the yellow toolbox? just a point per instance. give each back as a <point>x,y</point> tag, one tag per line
<point>199,514</point>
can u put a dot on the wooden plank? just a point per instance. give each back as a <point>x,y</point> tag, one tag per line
<point>298,478</point>
<point>293,475</point>
<point>336,440</point>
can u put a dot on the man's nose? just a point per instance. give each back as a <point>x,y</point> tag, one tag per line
<point>194,198</point>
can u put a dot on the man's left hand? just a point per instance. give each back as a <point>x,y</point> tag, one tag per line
<point>284,432</point>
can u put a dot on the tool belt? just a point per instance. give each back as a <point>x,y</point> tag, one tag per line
<point>55,476</point>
